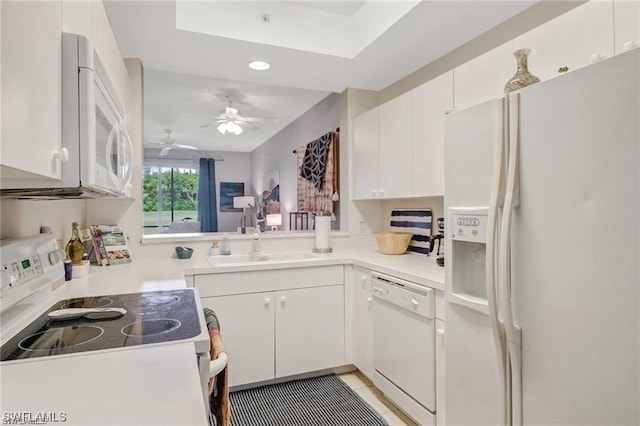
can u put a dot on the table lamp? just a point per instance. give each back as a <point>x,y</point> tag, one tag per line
<point>244,203</point>
<point>274,220</point>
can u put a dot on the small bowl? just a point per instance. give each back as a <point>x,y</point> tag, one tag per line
<point>393,242</point>
<point>184,252</point>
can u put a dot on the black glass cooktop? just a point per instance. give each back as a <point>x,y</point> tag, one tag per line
<point>152,317</point>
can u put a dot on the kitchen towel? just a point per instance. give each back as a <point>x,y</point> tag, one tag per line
<point>416,221</point>
<point>218,385</point>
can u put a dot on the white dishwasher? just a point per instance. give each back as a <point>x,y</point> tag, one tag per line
<point>404,345</point>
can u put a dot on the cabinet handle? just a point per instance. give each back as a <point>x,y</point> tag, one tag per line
<point>374,193</point>
<point>62,155</point>
<point>267,301</point>
<point>440,332</point>
<point>382,192</point>
<point>628,45</point>
<point>596,57</point>
<point>283,300</point>
<point>369,299</point>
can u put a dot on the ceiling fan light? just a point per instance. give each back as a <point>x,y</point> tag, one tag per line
<point>231,127</point>
<point>259,65</point>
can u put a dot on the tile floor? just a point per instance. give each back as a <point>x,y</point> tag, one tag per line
<point>372,396</point>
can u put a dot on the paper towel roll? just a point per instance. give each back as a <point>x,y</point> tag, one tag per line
<point>323,232</point>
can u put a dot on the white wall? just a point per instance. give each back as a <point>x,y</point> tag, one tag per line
<point>276,153</point>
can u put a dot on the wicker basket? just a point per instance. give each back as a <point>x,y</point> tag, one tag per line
<point>393,242</point>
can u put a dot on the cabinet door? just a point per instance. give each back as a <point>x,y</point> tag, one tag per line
<point>626,15</point>
<point>365,155</point>
<point>31,79</point>
<point>440,372</point>
<point>363,322</point>
<point>394,123</point>
<point>430,102</point>
<point>309,330</point>
<point>574,39</point>
<point>484,77</point>
<point>246,324</point>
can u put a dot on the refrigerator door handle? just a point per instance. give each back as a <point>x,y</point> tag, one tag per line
<point>497,327</point>
<point>513,331</point>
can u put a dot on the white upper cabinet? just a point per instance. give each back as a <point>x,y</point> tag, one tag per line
<point>626,24</point>
<point>365,155</point>
<point>484,77</point>
<point>31,79</point>
<point>575,39</point>
<point>394,121</point>
<point>430,102</point>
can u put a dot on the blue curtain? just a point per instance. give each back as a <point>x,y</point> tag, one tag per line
<point>207,210</point>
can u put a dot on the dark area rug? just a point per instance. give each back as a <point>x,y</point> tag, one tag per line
<point>319,401</point>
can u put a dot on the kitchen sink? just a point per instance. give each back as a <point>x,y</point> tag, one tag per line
<point>252,258</point>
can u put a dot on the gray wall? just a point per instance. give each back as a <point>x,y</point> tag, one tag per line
<point>276,153</point>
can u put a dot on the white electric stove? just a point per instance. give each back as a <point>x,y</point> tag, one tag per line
<point>30,267</point>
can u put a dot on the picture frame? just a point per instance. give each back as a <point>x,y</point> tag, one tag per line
<point>228,190</point>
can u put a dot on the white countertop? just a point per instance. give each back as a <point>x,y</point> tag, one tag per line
<point>156,384</point>
<point>413,267</point>
<point>125,387</point>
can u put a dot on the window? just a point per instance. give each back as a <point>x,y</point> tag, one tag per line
<point>170,197</point>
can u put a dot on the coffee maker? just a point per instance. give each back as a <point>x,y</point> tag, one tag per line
<point>440,238</point>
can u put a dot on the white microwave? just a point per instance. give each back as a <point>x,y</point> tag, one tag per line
<point>97,149</point>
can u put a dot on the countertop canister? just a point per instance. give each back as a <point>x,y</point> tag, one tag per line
<point>323,233</point>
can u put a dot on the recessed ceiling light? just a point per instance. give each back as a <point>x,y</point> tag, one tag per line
<point>259,65</point>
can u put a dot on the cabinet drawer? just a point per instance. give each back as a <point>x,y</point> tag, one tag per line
<point>272,280</point>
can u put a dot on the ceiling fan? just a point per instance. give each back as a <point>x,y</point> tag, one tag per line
<point>168,143</point>
<point>231,121</point>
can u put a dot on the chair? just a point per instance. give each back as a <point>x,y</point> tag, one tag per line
<point>298,221</point>
<point>219,404</point>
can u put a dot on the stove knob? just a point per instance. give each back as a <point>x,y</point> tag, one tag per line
<point>55,256</point>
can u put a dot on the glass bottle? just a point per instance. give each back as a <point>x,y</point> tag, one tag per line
<point>224,248</point>
<point>74,248</point>
<point>522,77</point>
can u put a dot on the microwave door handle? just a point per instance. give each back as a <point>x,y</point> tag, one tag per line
<point>112,143</point>
<point>127,157</point>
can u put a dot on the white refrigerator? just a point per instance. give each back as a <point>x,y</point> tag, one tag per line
<point>542,201</point>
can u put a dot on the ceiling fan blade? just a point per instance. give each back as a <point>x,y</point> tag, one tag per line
<point>261,119</point>
<point>180,146</point>
<point>164,151</point>
<point>247,125</point>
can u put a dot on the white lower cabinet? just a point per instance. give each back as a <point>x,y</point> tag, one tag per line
<point>363,322</point>
<point>309,330</point>
<point>440,369</point>
<point>296,326</point>
<point>247,327</point>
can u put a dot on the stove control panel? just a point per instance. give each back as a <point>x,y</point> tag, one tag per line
<point>23,269</point>
<point>27,265</point>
